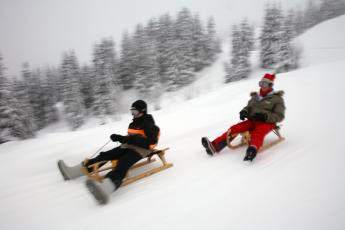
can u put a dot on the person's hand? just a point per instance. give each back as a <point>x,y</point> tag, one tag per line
<point>243,114</point>
<point>260,117</point>
<point>117,137</point>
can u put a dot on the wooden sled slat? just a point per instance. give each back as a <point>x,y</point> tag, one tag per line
<point>269,145</point>
<point>98,167</point>
<point>245,139</point>
<point>132,179</point>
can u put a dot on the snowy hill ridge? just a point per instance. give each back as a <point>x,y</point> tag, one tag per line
<point>324,43</point>
<point>295,185</point>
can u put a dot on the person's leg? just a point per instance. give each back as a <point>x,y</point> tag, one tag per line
<point>257,139</point>
<point>112,154</point>
<point>127,160</point>
<point>220,142</point>
<point>258,134</point>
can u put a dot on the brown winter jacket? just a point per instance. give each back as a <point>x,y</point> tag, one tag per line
<point>273,105</point>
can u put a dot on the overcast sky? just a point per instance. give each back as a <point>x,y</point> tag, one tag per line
<point>39,31</point>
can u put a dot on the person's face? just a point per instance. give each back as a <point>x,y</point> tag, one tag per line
<point>264,85</point>
<point>135,113</point>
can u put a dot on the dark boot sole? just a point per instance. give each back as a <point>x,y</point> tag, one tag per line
<point>248,159</point>
<point>207,146</point>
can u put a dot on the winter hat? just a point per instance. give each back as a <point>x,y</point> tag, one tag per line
<point>269,78</point>
<point>139,105</point>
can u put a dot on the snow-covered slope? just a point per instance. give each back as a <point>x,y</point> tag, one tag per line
<point>296,185</point>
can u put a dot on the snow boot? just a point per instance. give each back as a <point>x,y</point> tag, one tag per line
<point>101,190</point>
<point>69,173</point>
<point>250,154</point>
<point>208,146</point>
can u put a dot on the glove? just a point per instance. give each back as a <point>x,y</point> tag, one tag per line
<point>260,117</point>
<point>117,137</point>
<point>243,114</point>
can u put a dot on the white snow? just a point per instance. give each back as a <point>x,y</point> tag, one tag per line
<point>297,184</point>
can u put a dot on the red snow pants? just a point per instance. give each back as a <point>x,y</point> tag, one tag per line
<point>257,129</point>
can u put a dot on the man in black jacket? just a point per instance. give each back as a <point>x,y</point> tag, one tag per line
<point>141,139</point>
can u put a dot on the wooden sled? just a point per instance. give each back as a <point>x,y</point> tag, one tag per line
<point>245,139</point>
<point>103,166</point>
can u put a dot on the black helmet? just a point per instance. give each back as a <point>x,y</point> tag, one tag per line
<point>139,105</point>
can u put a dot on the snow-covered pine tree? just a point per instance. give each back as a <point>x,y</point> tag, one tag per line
<point>152,29</point>
<point>299,22</point>
<point>152,84</point>
<point>87,76</point>
<point>111,62</point>
<point>138,57</point>
<point>199,44</point>
<point>40,97</point>
<point>231,69</point>
<point>181,46</point>
<point>25,115</point>
<point>173,71</point>
<point>242,44</point>
<point>32,92</point>
<point>71,94</point>
<point>23,90</point>
<point>49,98</point>
<point>107,92</point>
<point>271,36</point>
<point>291,17</point>
<point>287,55</point>
<point>33,83</point>
<point>331,9</point>
<point>147,80</point>
<point>165,48</point>
<point>19,123</point>
<point>312,14</point>
<point>184,48</point>
<point>14,121</point>
<point>247,33</point>
<point>53,80</point>
<point>126,66</point>
<point>5,107</point>
<point>146,61</point>
<point>212,43</point>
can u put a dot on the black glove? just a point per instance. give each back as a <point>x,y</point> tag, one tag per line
<point>117,137</point>
<point>243,114</point>
<point>260,117</point>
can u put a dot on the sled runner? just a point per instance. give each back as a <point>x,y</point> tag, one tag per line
<point>96,171</point>
<point>245,139</point>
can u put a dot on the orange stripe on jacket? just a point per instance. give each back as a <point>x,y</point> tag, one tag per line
<point>142,133</point>
<point>136,132</point>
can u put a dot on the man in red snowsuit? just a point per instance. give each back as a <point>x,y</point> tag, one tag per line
<point>259,117</point>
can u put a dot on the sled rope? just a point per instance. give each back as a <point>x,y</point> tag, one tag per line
<point>100,149</point>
